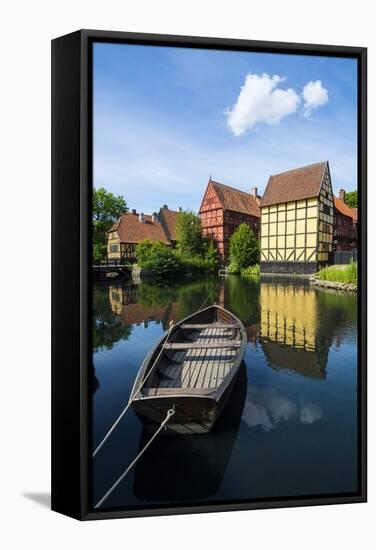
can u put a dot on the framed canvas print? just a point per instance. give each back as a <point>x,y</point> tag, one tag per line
<point>209,274</point>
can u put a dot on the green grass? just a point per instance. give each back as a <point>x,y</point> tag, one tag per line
<point>340,274</point>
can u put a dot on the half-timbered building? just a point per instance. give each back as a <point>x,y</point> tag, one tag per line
<point>223,209</point>
<point>344,225</point>
<point>297,220</point>
<point>133,227</point>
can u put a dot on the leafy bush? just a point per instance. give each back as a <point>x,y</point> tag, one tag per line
<point>157,256</point>
<point>244,248</point>
<point>143,252</point>
<point>207,260</point>
<point>99,251</point>
<point>233,268</point>
<point>210,255</point>
<point>345,274</point>
<point>251,271</point>
<point>163,259</point>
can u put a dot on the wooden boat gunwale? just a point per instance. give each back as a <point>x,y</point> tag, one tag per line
<point>213,394</point>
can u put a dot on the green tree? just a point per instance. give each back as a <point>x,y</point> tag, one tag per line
<point>107,208</point>
<point>210,255</point>
<point>143,252</point>
<point>189,233</point>
<point>351,199</point>
<point>157,257</point>
<point>244,248</point>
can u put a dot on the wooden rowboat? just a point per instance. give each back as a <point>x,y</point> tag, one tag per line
<point>192,369</point>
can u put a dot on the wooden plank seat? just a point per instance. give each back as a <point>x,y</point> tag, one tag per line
<point>202,345</point>
<point>200,326</point>
<point>200,360</point>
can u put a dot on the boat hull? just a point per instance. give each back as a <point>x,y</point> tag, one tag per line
<point>196,410</point>
<point>193,414</point>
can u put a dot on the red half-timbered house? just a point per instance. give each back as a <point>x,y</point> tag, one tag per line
<point>223,209</point>
<point>345,234</point>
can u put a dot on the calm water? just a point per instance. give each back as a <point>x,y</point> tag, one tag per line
<point>291,426</point>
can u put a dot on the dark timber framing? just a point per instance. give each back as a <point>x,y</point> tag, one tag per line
<point>289,253</point>
<point>71,273</point>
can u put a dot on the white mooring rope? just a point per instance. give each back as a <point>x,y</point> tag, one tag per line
<point>130,401</point>
<point>144,380</point>
<point>170,413</point>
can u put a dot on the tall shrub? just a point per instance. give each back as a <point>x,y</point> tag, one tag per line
<point>157,257</point>
<point>189,233</point>
<point>244,248</point>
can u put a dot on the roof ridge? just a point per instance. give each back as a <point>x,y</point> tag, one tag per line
<point>231,187</point>
<point>298,169</point>
<point>299,183</point>
<point>169,209</point>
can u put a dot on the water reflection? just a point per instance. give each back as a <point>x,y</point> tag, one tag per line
<point>297,328</point>
<point>265,408</point>
<point>107,328</point>
<point>296,403</point>
<point>160,302</point>
<point>191,466</point>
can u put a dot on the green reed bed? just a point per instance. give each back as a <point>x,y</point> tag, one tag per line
<point>340,274</point>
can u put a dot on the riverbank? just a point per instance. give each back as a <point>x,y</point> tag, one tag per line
<point>336,285</point>
<point>339,277</point>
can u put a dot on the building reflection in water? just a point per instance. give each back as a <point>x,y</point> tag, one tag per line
<point>285,317</point>
<point>125,304</point>
<point>162,302</point>
<point>290,332</point>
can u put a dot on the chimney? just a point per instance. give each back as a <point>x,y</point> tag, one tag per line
<point>134,211</point>
<point>342,194</point>
<point>254,192</point>
<point>154,217</point>
<point>141,217</point>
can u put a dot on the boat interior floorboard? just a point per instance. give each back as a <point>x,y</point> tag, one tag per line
<point>197,367</point>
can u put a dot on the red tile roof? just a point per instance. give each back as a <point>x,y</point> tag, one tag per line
<point>131,230</point>
<point>169,220</point>
<point>355,214</point>
<point>294,185</point>
<point>235,200</point>
<point>342,207</point>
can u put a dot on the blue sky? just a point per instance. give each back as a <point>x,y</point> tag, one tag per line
<point>167,118</point>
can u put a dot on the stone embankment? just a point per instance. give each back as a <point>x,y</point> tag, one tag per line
<point>345,287</point>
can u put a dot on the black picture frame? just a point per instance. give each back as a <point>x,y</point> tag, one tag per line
<point>71,268</point>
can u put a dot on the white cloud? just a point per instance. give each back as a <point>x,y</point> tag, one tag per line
<point>260,100</point>
<point>314,95</point>
<point>151,163</point>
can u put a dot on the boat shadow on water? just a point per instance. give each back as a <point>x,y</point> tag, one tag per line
<point>190,467</point>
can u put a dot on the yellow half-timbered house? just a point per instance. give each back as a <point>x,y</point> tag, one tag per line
<point>297,220</point>
<point>132,228</point>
